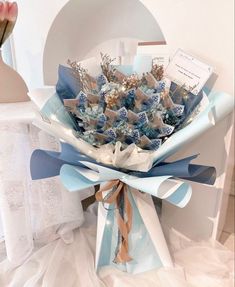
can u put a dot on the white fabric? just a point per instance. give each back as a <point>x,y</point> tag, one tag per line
<point>32,212</point>
<point>58,264</point>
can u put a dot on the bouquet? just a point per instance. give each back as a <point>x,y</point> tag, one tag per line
<point>117,127</point>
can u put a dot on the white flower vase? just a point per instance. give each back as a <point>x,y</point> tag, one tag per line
<point>12,87</point>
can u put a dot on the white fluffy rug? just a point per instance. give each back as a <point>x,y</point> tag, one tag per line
<point>205,264</point>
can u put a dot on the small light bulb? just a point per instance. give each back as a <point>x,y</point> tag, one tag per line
<point>54,118</point>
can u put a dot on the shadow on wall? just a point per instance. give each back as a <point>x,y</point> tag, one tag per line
<point>83,25</point>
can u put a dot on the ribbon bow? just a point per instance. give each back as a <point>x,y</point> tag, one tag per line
<point>118,196</point>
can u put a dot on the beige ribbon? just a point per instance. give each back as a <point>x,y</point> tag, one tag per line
<point>124,222</point>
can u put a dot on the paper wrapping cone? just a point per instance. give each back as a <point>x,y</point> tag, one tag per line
<point>148,247</point>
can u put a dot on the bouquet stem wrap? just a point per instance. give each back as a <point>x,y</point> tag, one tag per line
<point>118,195</point>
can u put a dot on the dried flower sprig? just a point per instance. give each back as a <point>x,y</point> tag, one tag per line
<point>107,67</point>
<point>87,83</point>
<point>8,17</point>
<point>157,71</point>
<point>131,82</point>
<point>112,99</point>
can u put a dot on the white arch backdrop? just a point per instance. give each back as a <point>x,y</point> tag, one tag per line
<point>84,28</point>
<point>203,27</point>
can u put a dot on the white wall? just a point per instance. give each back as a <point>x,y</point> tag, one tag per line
<point>34,21</point>
<point>83,26</point>
<point>203,27</point>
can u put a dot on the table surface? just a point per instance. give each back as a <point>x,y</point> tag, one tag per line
<point>22,112</point>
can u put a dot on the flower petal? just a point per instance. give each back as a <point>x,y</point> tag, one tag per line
<point>12,12</point>
<point>3,10</point>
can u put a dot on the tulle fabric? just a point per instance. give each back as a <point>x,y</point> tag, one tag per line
<point>32,212</point>
<point>59,264</point>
